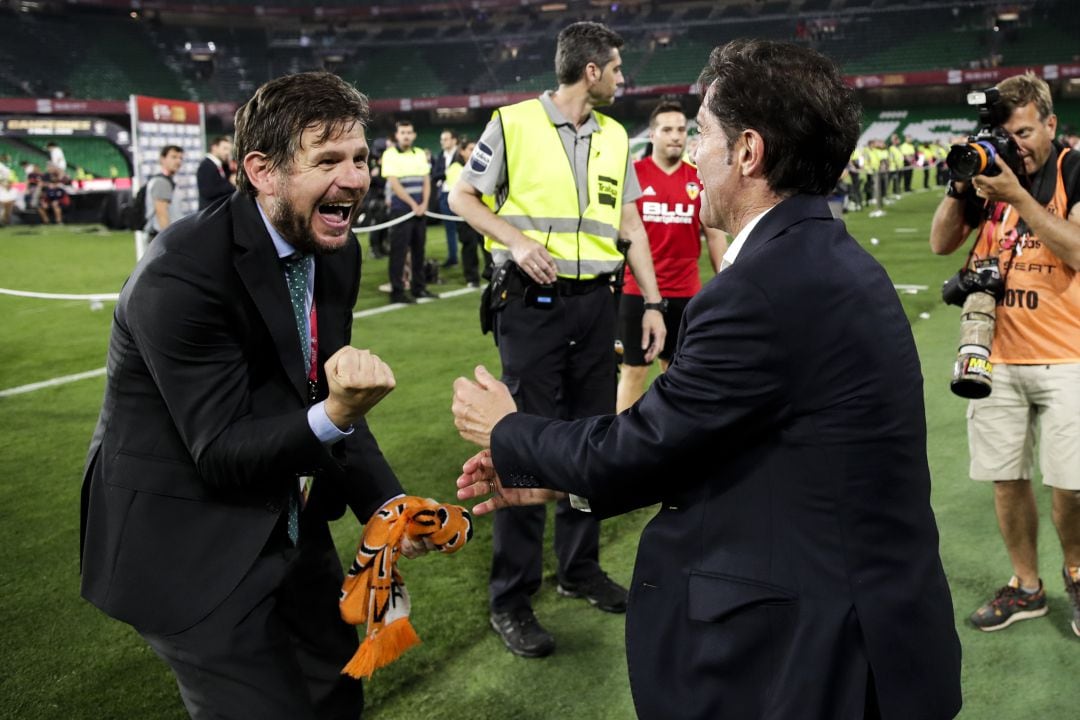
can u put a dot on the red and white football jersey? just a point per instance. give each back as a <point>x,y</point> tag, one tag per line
<point>669,206</point>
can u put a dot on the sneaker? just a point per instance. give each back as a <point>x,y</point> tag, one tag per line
<point>472,284</point>
<point>425,293</point>
<point>1009,605</point>
<point>522,634</point>
<point>1072,589</point>
<point>400,297</point>
<point>601,591</point>
<point>449,264</point>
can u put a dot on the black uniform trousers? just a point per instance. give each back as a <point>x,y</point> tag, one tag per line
<point>408,237</point>
<point>557,362</point>
<point>471,245</point>
<point>275,647</point>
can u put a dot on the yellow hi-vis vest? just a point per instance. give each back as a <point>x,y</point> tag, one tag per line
<point>543,200</point>
<point>453,172</point>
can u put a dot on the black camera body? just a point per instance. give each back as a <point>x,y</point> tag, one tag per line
<point>986,277</point>
<point>977,155</point>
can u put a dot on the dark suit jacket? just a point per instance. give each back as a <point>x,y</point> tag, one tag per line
<point>795,549</point>
<point>211,184</point>
<point>203,429</point>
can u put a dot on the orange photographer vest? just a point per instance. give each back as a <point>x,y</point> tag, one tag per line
<point>1038,320</point>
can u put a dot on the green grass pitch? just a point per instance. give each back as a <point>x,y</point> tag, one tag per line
<point>61,658</point>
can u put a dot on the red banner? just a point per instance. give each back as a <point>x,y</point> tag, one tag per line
<point>161,110</point>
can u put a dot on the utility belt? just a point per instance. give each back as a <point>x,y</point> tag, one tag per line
<point>510,282</point>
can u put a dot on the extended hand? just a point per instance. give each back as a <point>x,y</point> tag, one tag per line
<point>478,478</point>
<point>358,380</point>
<point>479,405</point>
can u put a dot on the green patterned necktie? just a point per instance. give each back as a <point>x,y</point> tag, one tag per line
<point>296,276</point>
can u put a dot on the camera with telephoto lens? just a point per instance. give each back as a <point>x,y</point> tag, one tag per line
<point>986,277</point>
<point>978,292</point>
<point>976,156</point>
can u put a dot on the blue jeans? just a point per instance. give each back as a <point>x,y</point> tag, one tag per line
<point>451,229</point>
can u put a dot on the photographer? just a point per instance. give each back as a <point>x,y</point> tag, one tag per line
<point>1031,226</point>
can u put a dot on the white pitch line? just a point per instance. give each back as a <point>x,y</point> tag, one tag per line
<point>903,231</point>
<point>59,296</point>
<point>64,379</point>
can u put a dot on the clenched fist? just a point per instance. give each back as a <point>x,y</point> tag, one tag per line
<point>358,380</point>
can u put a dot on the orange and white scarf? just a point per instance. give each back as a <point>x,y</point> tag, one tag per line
<point>373,591</point>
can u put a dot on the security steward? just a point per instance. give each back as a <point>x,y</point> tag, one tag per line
<point>560,179</point>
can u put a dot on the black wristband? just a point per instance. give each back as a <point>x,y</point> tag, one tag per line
<point>659,306</point>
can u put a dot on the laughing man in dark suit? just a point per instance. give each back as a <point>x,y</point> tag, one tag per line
<point>233,424</point>
<point>792,572</point>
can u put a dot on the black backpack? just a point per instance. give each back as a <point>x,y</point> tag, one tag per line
<point>134,213</point>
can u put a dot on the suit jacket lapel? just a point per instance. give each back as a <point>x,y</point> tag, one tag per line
<point>260,270</point>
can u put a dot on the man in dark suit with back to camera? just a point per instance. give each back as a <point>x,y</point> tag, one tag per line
<point>212,176</point>
<point>233,427</point>
<point>792,572</point>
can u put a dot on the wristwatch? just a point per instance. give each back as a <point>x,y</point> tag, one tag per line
<point>659,306</point>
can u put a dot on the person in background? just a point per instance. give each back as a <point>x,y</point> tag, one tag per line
<point>160,210</point>
<point>54,196</point>
<point>449,141</point>
<point>670,208</point>
<point>1031,231</point>
<point>564,187</point>
<point>214,177</point>
<point>56,157</point>
<point>34,186</point>
<point>408,177</point>
<point>8,196</point>
<point>470,241</point>
<point>6,173</point>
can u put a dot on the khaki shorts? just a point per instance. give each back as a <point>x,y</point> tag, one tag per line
<point>1002,427</point>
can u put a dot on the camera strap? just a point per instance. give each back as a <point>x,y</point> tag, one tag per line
<point>997,213</point>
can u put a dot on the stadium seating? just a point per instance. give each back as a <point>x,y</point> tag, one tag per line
<point>94,155</point>
<point>20,153</point>
<point>105,55</point>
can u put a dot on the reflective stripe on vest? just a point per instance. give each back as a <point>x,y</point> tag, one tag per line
<point>543,199</point>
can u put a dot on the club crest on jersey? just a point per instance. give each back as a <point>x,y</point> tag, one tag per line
<point>692,190</point>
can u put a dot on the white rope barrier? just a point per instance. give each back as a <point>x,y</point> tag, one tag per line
<point>101,297</point>
<point>446,218</point>
<point>359,230</point>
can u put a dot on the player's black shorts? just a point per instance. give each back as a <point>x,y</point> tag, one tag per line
<point>628,331</point>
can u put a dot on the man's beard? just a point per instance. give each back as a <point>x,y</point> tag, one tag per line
<point>296,228</point>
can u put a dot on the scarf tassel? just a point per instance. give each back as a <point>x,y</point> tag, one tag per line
<point>382,648</point>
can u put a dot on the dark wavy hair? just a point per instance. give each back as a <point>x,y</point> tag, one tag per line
<point>274,119</point>
<point>796,99</point>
